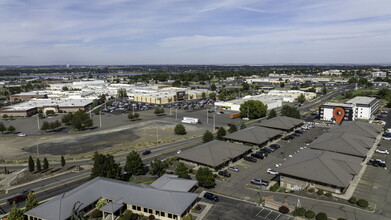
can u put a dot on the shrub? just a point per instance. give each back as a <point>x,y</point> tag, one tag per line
<point>362,203</point>
<point>197,207</point>
<point>128,215</point>
<point>151,217</point>
<point>284,210</point>
<point>352,200</point>
<point>282,189</point>
<point>191,170</point>
<point>309,214</point>
<point>328,194</point>
<point>300,211</point>
<point>311,190</point>
<point>320,192</point>
<point>96,213</point>
<point>275,187</point>
<point>321,216</point>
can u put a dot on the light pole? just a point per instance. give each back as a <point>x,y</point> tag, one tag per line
<point>100,118</point>
<point>38,121</point>
<point>157,136</point>
<point>214,122</point>
<point>176,113</point>
<point>207,116</point>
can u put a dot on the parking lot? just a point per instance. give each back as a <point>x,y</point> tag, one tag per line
<point>227,208</point>
<point>237,184</point>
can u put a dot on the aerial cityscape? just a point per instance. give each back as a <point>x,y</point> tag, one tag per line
<point>191,110</point>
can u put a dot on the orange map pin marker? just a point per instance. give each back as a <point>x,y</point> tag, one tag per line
<point>339,114</point>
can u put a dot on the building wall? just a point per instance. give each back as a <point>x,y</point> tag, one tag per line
<point>326,113</point>
<point>158,214</point>
<point>292,183</point>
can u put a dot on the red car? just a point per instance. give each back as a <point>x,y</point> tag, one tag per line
<point>19,197</point>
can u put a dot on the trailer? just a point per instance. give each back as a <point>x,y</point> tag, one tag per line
<point>235,116</point>
<point>190,120</point>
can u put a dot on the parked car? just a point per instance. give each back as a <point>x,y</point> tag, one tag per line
<point>146,152</point>
<point>211,196</point>
<point>271,171</point>
<point>250,159</point>
<point>224,173</point>
<point>259,156</point>
<point>382,151</point>
<point>274,146</point>
<point>299,131</point>
<point>234,168</point>
<point>22,135</point>
<point>259,182</point>
<point>269,149</point>
<point>387,136</point>
<point>377,162</point>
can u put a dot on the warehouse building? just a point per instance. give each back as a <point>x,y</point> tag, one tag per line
<point>215,154</point>
<point>26,96</point>
<point>258,136</point>
<point>234,105</point>
<point>164,199</point>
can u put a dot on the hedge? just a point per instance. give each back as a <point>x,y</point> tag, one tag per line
<point>284,210</point>
<point>321,216</point>
<point>328,194</point>
<point>320,192</point>
<point>275,187</point>
<point>309,214</point>
<point>353,200</point>
<point>362,203</point>
<point>300,211</point>
<point>96,213</point>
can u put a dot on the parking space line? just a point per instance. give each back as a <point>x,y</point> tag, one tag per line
<point>260,211</point>
<point>278,216</point>
<point>269,214</point>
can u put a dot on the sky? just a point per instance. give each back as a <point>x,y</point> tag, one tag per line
<point>127,32</point>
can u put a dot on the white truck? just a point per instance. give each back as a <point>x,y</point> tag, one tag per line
<point>190,120</point>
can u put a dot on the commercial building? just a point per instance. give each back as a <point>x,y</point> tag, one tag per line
<point>324,170</point>
<point>234,105</point>
<point>292,95</point>
<point>215,154</point>
<point>256,135</point>
<point>160,199</point>
<point>282,123</point>
<point>360,107</point>
<point>26,96</point>
<point>31,107</point>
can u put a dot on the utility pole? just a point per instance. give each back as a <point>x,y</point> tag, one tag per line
<point>207,116</point>
<point>176,113</point>
<point>38,121</point>
<point>214,122</point>
<point>157,136</point>
<point>37,151</point>
<point>100,118</point>
<point>133,110</point>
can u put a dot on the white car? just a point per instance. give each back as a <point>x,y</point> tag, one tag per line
<point>179,151</point>
<point>387,137</point>
<point>21,135</point>
<point>382,151</point>
<point>234,168</point>
<point>271,171</point>
<point>245,119</point>
<point>278,165</point>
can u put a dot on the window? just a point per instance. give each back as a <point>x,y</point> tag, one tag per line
<point>157,213</point>
<point>175,217</point>
<point>138,208</point>
<point>162,214</point>
<point>169,215</point>
<point>145,210</point>
<point>150,211</point>
<point>134,207</point>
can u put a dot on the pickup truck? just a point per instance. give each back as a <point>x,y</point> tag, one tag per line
<point>20,197</point>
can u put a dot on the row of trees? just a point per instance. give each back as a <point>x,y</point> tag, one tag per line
<point>221,132</point>
<point>36,166</point>
<point>79,120</point>
<point>50,126</point>
<point>3,128</point>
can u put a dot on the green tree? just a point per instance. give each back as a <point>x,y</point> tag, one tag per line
<point>243,126</point>
<point>45,164</point>
<point>105,166</point>
<point>182,171</point>
<point>301,98</point>
<point>134,165</point>
<point>232,128</point>
<point>203,95</point>
<point>31,201</point>
<point>62,161</point>
<point>290,111</point>
<point>158,167</point>
<point>272,114</point>
<point>31,164</point>
<point>80,120</point>
<point>133,116</point>
<point>38,164</point>
<point>177,83</point>
<point>11,129</point>
<point>2,127</point>
<point>212,95</point>
<point>180,129</point>
<point>205,177</point>
<point>15,214</point>
<point>67,119</point>
<point>220,133</point>
<point>45,126</point>
<point>213,87</point>
<point>253,109</point>
<point>324,91</point>
<point>5,116</point>
<point>312,89</point>
<point>208,136</point>
<point>121,93</point>
<point>245,86</point>
<point>159,111</point>
<point>101,202</point>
